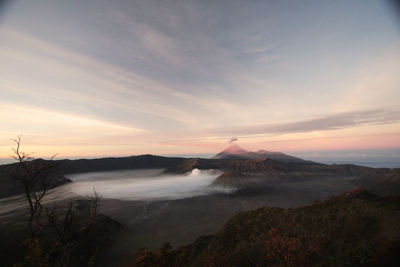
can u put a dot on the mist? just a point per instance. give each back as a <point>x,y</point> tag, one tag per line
<point>145,184</point>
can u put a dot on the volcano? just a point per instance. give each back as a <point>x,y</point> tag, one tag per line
<point>236,152</point>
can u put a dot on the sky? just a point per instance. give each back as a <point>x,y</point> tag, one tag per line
<point>113,78</point>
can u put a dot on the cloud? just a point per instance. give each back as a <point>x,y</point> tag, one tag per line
<point>87,82</point>
<point>352,125</point>
<point>57,123</point>
<point>332,122</point>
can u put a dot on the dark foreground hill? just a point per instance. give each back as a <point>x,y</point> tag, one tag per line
<point>353,229</point>
<point>81,244</point>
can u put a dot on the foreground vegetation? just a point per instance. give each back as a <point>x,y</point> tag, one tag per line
<point>353,229</point>
<point>62,233</point>
<point>80,246</point>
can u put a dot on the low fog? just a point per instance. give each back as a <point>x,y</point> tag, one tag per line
<point>145,184</point>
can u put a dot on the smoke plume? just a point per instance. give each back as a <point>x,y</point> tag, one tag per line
<point>233,139</point>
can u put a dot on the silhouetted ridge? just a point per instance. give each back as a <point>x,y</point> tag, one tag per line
<point>122,163</point>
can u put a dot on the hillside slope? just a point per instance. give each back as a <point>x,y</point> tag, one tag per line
<point>353,229</point>
<point>381,181</point>
<point>9,186</point>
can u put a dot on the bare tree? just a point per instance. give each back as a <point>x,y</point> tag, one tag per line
<point>94,199</point>
<point>34,175</point>
<point>62,219</point>
<point>62,223</point>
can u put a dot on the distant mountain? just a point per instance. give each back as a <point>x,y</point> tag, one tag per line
<point>120,163</point>
<point>279,156</point>
<point>236,152</point>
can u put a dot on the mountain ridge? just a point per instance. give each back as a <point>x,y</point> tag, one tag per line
<point>239,172</point>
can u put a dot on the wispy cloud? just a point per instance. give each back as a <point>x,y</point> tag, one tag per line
<point>56,123</point>
<point>331,122</point>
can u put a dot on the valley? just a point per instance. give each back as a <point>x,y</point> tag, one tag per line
<point>179,200</point>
